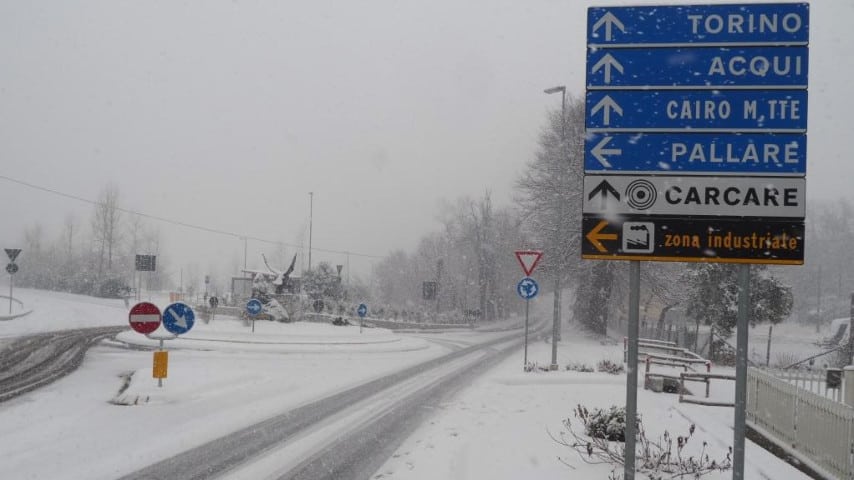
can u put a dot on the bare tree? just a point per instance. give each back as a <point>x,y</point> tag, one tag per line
<point>105,227</point>
<point>550,198</point>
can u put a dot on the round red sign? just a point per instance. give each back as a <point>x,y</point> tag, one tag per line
<point>144,317</point>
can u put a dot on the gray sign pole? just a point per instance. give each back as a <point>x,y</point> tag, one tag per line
<point>11,280</point>
<point>851,329</point>
<point>741,372</point>
<point>525,365</point>
<point>632,369</point>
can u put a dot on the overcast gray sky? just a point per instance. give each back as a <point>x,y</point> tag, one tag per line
<point>227,113</point>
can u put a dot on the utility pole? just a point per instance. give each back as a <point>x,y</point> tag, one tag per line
<point>439,264</point>
<point>559,222</point>
<point>310,220</point>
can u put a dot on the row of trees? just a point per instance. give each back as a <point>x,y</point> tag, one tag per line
<point>477,242</point>
<point>467,258</point>
<point>95,257</point>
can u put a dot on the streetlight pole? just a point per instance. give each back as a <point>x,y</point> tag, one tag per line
<point>310,218</point>
<point>559,222</point>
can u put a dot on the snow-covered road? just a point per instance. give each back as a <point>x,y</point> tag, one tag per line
<point>109,419</point>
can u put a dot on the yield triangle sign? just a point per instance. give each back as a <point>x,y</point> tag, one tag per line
<point>12,253</point>
<point>528,259</point>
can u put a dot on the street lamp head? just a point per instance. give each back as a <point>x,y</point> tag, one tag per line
<point>559,88</point>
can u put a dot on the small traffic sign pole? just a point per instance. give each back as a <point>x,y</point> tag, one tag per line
<point>12,268</point>
<point>527,288</point>
<point>528,260</point>
<point>11,281</point>
<point>362,310</point>
<point>253,308</point>
<point>525,365</point>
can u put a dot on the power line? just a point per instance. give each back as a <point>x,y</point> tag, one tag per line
<point>180,223</point>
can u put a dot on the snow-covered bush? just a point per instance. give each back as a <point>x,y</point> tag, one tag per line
<point>604,443</point>
<point>608,424</point>
<point>579,367</point>
<point>608,366</point>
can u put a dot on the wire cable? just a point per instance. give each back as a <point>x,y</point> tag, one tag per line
<point>180,223</point>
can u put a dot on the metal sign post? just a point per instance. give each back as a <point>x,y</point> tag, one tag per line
<point>253,308</point>
<point>527,288</point>
<point>528,260</point>
<point>739,426</point>
<point>362,310</point>
<point>12,269</point>
<point>632,370</point>
<point>11,281</point>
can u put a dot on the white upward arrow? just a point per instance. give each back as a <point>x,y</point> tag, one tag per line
<point>608,20</point>
<point>606,104</point>
<point>607,62</point>
<point>600,152</point>
<point>179,319</point>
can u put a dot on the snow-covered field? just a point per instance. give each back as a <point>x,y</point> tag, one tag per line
<point>110,418</point>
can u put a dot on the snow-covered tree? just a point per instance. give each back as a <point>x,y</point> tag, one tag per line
<point>323,282</point>
<point>713,296</point>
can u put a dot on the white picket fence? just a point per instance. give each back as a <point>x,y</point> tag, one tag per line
<point>818,429</point>
<point>812,380</point>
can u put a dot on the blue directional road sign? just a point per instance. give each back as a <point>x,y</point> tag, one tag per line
<point>783,111</point>
<point>178,318</point>
<point>697,68</point>
<point>699,25</point>
<point>527,288</point>
<point>696,154</point>
<point>253,306</point>
<point>362,310</point>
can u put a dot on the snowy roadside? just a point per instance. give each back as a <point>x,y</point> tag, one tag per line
<point>499,427</point>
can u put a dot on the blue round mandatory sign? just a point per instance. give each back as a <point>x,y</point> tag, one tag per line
<point>178,318</point>
<point>362,310</point>
<point>527,288</point>
<point>253,306</point>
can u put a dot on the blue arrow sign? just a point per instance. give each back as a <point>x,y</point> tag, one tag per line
<point>698,153</point>
<point>527,288</point>
<point>253,306</point>
<point>178,318</point>
<point>697,111</point>
<point>698,25</point>
<point>698,68</point>
<point>362,310</point>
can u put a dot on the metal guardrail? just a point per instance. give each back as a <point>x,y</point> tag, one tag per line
<point>704,378</point>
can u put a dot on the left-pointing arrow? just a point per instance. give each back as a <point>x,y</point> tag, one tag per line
<point>600,152</point>
<point>606,105</point>
<point>596,236</point>
<point>606,63</point>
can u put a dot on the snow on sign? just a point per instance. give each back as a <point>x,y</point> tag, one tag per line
<point>178,318</point>
<point>144,317</point>
<point>693,195</point>
<point>697,68</point>
<point>696,154</point>
<point>720,239</point>
<point>527,288</point>
<point>726,111</point>
<point>528,259</point>
<point>695,122</point>
<point>719,25</point>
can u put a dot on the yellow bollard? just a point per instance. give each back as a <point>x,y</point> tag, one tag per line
<point>161,364</point>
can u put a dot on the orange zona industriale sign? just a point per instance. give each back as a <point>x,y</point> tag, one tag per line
<point>698,239</point>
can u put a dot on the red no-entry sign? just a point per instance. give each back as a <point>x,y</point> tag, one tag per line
<point>144,317</point>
